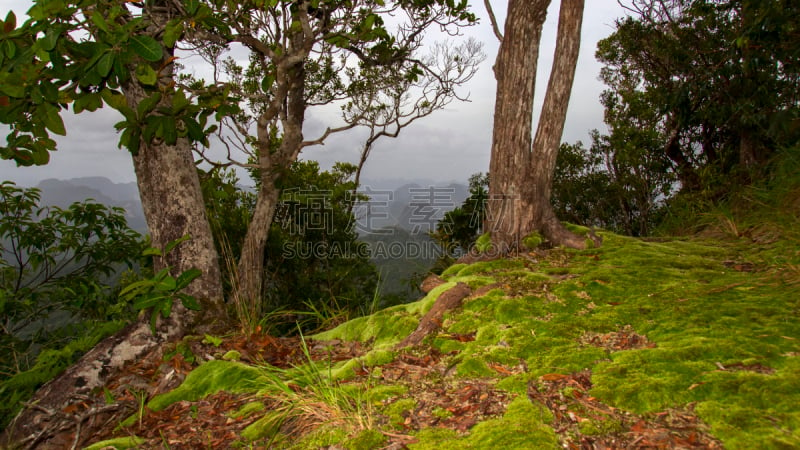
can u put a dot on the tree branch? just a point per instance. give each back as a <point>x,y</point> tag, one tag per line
<point>493,19</point>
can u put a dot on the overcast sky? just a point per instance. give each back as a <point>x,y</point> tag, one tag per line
<point>448,146</point>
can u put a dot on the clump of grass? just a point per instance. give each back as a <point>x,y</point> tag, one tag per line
<point>308,399</point>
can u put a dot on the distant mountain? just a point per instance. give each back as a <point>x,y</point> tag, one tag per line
<point>412,207</point>
<point>63,193</point>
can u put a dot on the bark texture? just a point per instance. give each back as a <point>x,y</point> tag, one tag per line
<point>173,206</point>
<point>521,168</point>
<point>432,321</point>
<point>515,71</point>
<point>272,164</point>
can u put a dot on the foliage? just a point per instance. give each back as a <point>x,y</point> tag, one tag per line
<point>309,398</point>
<point>313,252</point>
<point>57,276</point>
<point>710,84</point>
<point>46,68</point>
<point>57,269</point>
<point>459,228</point>
<point>315,266</point>
<point>160,291</point>
<point>616,184</point>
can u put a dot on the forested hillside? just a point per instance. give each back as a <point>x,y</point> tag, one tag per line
<point>641,290</point>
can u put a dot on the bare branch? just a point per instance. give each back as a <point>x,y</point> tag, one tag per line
<point>493,19</point>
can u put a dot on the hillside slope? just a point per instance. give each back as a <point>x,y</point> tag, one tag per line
<point>638,343</point>
<point>662,343</point>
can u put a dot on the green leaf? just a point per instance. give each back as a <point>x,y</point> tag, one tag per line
<point>113,99</point>
<point>189,302</point>
<point>146,75</point>
<point>166,307</point>
<point>213,340</point>
<point>88,102</point>
<point>153,320</point>
<point>99,21</point>
<point>173,32</point>
<point>187,277</point>
<point>40,156</point>
<point>195,131</point>
<point>167,284</point>
<point>148,302</point>
<point>50,40</point>
<point>168,248</point>
<point>13,90</point>
<point>52,120</point>
<point>152,251</point>
<point>10,23</point>
<point>169,129</point>
<point>147,105</point>
<point>146,47</point>
<point>104,64</point>
<point>49,91</point>
<point>266,83</point>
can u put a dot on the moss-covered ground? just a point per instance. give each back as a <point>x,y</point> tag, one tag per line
<point>671,342</point>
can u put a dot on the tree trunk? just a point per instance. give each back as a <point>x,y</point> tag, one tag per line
<point>521,173</point>
<point>272,166</point>
<point>173,205</point>
<point>542,163</point>
<point>515,71</point>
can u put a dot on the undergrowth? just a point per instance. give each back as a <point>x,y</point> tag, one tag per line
<point>705,324</point>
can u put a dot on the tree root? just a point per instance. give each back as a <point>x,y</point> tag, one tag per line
<point>432,321</point>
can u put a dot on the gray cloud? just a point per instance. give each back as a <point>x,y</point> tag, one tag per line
<point>449,145</point>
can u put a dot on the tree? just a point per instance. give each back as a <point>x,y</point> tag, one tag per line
<point>88,55</point>
<point>717,80</point>
<point>521,168</point>
<point>306,54</point>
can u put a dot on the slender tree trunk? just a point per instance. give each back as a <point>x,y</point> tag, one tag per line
<point>551,127</point>
<point>521,172</point>
<point>273,165</point>
<point>515,71</point>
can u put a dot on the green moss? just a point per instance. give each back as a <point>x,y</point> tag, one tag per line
<point>524,425</point>
<point>210,378</point>
<point>267,427</point>
<point>577,229</point>
<point>474,367</point>
<point>384,392</point>
<point>484,243</point>
<point>121,443</point>
<point>600,427</point>
<point>247,410</point>
<point>474,281</point>
<point>532,240</point>
<point>323,437</point>
<point>346,370</point>
<point>488,267</point>
<point>452,270</point>
<point>232,355</point>
<point>387,327</point>
<point>394,411</point>
<point>366,440</point>
<point>441,413</point>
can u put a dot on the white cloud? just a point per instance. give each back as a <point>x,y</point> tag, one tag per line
<point>450,145</point>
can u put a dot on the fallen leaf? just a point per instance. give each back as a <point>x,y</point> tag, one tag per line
<point>553,377</point>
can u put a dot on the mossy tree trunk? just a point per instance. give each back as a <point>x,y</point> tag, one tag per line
<point>521,168</point>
